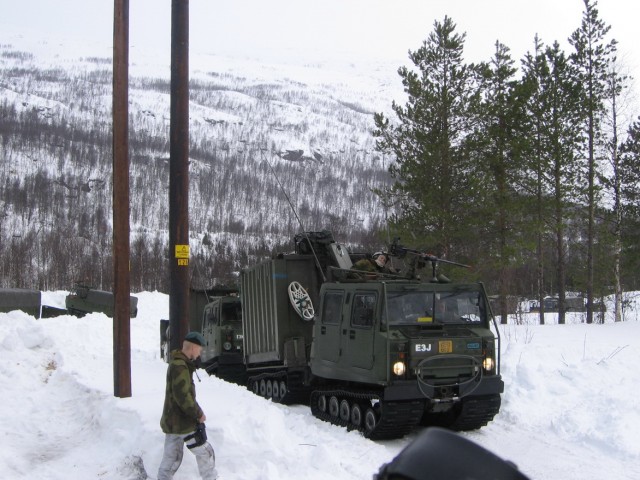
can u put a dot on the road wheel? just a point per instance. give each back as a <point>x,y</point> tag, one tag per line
<point>263,388</point>
<point>275,390</point>
<point>334,407</point>
<point>269,388</point>
<point>322,403</point>
<point>345,411</point>
<point>370,420</point>
<point>283,389</point>
<point>356,415</point>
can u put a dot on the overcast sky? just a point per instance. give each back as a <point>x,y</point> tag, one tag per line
<point>382,29</point>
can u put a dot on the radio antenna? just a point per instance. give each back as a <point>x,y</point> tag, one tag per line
<point>304,231</point>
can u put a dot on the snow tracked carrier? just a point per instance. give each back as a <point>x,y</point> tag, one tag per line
<point>84,299</point>
<point>222,328</point>
<point>371,351</point>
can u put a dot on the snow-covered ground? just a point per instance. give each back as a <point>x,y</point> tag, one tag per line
<point>569,408</point>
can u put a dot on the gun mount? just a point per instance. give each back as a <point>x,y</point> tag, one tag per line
<point>415,260</point>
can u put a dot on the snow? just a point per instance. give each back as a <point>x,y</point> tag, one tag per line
<point>569,407</point>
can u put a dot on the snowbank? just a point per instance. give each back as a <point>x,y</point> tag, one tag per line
<point>568,409</point>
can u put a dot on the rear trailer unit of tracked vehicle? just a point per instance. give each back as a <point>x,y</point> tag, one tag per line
<point>277,341</point>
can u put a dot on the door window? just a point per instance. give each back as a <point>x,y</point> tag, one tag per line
<point>211,317</point>
<point>362,311</point>
<point>332,308</point>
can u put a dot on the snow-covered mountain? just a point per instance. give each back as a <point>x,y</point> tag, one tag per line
<point>259,133</point>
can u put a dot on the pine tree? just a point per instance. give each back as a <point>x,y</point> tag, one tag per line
<point>629,183</point>
<point>434,181</point>
<point>617,84</point>
<point>496,146</point>
<point>592,57</point>
<point>535,70</point>
<point>554,108</point>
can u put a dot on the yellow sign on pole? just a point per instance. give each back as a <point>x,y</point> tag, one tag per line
<point>183,262</point>
<point>182,251</point>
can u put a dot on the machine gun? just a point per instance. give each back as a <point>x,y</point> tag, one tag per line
<point>416,260</point>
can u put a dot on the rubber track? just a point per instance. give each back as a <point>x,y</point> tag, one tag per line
<point>476,412</point>
<point>296,391</point>
<point>396,419</point>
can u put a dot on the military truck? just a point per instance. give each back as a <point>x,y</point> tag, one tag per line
<point>376,352</point>
<point>216,313</point>
<point>222,328</point>
<point>23,299</point>
<point>84,299</point>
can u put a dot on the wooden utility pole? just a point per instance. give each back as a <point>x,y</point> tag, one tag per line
<point>121,287</point>
<point>179,175</point>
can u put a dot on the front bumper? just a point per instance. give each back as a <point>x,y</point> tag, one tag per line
<point>410,390</point>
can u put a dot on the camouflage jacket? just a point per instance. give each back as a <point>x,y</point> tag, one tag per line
<point>181,411</point>
<point>366,265</point>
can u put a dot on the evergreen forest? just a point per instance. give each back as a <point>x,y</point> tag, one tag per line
<point>530,174</point>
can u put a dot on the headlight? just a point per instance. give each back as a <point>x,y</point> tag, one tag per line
<point>488,364</point>
<point>399,368</point>
<point>227,345</point>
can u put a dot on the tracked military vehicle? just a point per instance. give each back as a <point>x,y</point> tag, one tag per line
<point>85,299</point>
<point>222,329</point>
<point>372,351</point>
<point>212,311</point>
<point>23,299</point>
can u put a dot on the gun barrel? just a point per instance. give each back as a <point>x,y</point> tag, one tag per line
<point>400,251</point>
<point>451,263</point>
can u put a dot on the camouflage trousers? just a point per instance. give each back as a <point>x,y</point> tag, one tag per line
<point>172,458</point>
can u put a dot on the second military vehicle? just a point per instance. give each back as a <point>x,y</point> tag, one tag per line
<point>373,351</point>
<point>23,299</point>
<point>222,327</point>
<point>216,312</point>
<point>84,299</point>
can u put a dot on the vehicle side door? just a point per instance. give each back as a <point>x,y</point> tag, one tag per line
<point>358,330</point>
<point>328,328</point>
<point>210,330</point>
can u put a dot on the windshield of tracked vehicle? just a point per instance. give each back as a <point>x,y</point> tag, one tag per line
<point>424,308</point>
<point>231,313</point>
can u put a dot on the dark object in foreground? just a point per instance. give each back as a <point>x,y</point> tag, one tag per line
<point>439,454</point>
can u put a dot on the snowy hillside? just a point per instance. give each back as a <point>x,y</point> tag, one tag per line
<point>259,132</point>
<point>569,409</point>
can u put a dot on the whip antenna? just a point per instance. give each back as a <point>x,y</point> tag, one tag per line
<point>304,231</point>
